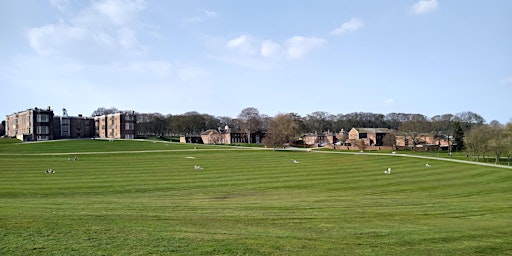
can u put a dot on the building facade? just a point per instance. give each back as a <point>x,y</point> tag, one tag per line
<point>41,124</point>
<point>225,136</point>
<point>116,126</point>
<point>371,136</point>
<point>31,125</point>
<point>66,127</point>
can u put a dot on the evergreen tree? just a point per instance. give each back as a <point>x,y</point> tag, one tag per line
<point>458,137</point>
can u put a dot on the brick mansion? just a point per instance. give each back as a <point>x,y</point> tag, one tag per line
<point>40,124</point>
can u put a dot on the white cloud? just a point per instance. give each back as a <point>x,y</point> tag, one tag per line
<point>120,12</point>
<point>298,46</point>
<point>48,39</point>
<point>210,14</point>
<point>242,44</point>
<point>250,52</point>
<point>425,6</point>
<point>102,29</point>
<point>270,49</point>
<point>205,15</point>
<point>60,4</point>
<point>127,38</point>
<point>351,25</point>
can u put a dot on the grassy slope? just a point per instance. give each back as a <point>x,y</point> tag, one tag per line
<point>246,202</point>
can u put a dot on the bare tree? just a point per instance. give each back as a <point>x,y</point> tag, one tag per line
<point>413,128</point>
<point>318,121</point>
<point>250,121</point>
<point>468,119</point>
<point>361,145</point>
<point>497,141</point>
<point>104,111</point>
<point>300,122</point>
<point>508,134</point>
<point>477,140</point>
<point>389,139</point>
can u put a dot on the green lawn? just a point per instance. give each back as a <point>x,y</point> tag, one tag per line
<point>145,198</point>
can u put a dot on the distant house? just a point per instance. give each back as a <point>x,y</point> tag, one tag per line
<point>191,139</point>
<point>212,137</point>
<point>223,136</point>
<point>424,140</point>
<point>314,139</point>
<point>371,136</point>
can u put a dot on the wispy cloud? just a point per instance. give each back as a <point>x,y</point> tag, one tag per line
<point>248,51</point>
<point>270,49</point>
<point>293,48</point>
<point>349,26</point>
<point>120,12</point>
<point>202,17</point>
<point>101,28</point>
<point>100,41</point>
<point>425,6</point>
<point>298,46</point>
<point>60,4</point>
<point>243,44</point>
<point>507,81</point>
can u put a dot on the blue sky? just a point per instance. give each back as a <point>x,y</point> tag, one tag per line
<point>218,57</point>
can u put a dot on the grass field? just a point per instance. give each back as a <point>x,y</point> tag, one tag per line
<point>145,198</point>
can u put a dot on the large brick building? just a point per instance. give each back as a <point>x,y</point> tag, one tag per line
<point>116,126</point>
<point>31,124</point>
<point>41,124</point>
<point>72,126</point>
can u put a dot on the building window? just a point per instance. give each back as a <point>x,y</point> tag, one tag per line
<point>129,126</point>
<point>42,130</point>
<point>42,118</point>
<point>39,137</point>
<point>363,135</point>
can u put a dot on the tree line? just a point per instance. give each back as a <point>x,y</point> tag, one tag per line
<point>251,120</point>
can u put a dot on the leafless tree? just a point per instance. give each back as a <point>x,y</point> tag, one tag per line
<point>362,145</point>
<point>318,121</point>
<point>477,140</point>
<point>250,121</point>
<point>413,128</point>
<point>389,139</point>
<point>497,141</point>
<point>508,134</point>
<point>104,111</point>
